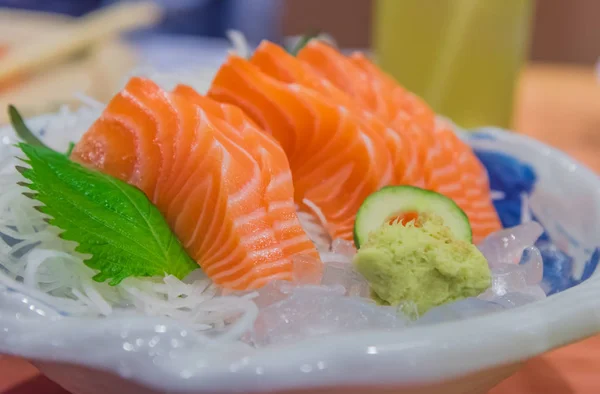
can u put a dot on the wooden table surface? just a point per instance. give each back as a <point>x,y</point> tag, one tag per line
<point>559,105</point>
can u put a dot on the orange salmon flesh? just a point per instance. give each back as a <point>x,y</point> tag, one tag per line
<point>228,170</point>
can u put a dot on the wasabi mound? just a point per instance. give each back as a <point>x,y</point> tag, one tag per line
<point>421,262</point>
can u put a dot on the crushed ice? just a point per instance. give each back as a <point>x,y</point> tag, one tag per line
<point>340,302</point>
<point>318,310</point>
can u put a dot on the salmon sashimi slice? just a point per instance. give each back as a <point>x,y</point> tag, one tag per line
<point>374,96</point>
<point>336,161</point>
<point>279,189</point>
<point>401,109</point>
<point>444,163</point>
<point>472,191</point>
<point>274,61</point>
<point>398,100</point>
<point>203,175</point>
<point>469,187</point>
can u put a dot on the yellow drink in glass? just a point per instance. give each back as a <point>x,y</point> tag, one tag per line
<point>462,56</point>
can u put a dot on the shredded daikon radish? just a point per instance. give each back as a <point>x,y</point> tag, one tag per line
<point>239,43</point>
<point>315,225</point>
<point>35,261</point>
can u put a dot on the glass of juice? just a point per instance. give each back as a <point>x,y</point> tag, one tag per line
<point>462,56</point>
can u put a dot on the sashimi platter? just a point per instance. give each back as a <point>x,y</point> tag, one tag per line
<point>303,194</point>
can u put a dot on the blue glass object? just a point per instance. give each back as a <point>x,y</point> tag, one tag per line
<point>513,177</point>
<point>507,173</point>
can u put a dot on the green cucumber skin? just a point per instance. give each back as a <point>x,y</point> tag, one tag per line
<point>420,197</point>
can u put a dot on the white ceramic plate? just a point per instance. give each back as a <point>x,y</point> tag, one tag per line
<point>122,354</point>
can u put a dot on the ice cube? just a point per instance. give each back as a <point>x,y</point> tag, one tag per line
<point>506,278</point>
<point>311,311</point>
<point>469,307</point>
<point>558,267</point>
<point>331,257</point>
<point>271,293</point>
<point>341,274</point>
<point>527,296</point>
<point>506,246</point>
<point>516,285</point>
<point>533,265</point>
<point>307,270</point>
<point>536,292</point>
<point>409,309</point>
<point>343,247</point>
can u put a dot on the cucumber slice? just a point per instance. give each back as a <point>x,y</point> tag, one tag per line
<point>392,201</point>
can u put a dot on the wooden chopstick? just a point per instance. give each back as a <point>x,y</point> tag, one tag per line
<point>95,26</point>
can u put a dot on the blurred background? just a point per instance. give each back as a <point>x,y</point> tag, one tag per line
<point>464,57</point>
<point>525,65</point>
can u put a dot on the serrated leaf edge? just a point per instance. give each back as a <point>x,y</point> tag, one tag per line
<point>101,276</point>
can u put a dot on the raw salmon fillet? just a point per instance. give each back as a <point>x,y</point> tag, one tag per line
<point>276,175</point>
<point>223,186</point>
<point>335,158</point>
<point>443,163</point>
<point>279,64</point>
